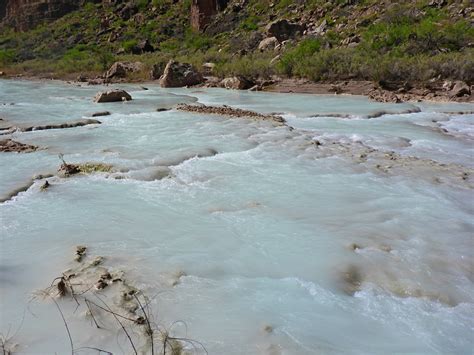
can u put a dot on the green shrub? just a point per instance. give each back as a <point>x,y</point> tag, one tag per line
<point>293,57</point>
<point>142,4</point>
<point>250,23</point>
<point>7,56</point>
<point>128,45</point>
<point>196,41</point>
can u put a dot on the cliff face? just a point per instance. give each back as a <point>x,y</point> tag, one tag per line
<point>26,14</point>
<point>203,10</point>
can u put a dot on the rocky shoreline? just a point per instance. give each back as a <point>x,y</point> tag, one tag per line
<point>177,74</point>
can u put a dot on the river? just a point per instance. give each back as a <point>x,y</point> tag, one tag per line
<point>335,233</point>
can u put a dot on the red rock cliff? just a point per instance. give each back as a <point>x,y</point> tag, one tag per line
<point>203,10</point>
<point>26,14</point>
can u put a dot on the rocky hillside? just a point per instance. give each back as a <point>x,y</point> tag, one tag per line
<point>415,42</point>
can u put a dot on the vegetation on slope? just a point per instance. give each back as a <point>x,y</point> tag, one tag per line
<point>414,41</point>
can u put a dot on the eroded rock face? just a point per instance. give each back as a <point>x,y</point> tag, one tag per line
<point>26,14</point>
<point>112,96</point>
<point>180,74</point>
<point>201,13</point>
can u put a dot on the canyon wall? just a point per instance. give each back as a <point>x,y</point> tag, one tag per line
<point>26,14</point>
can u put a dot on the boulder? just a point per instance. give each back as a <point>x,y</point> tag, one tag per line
<point>283,30</point>
<point>81,78</point>
<point>143,47</point>
<point>269,43</point>
<point>448,85</point>
<point>237,83</point>
<point>208,68</point>
<point>180,74</point>
<point>460,88</point>
<point>112,96</point>
<point>121,69</point>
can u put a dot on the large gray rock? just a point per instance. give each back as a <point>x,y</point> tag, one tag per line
<point>237,83</point>
<point>112,96</point>
<point>121,69</point>
<point>269,43</point>
<point>283,30</point>
<point>460,88</point>
<point>180,74</point>
<point>143,47</point>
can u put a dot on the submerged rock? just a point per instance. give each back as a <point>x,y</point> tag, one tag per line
<point>80,253</point>
<point>352,280</point>
<point>112,96</point>
<point>72,124</point>
<point>102,113</point>
<point>45,186</point>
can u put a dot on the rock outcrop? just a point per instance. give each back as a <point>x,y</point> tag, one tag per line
<point>180,74</point>
<point>203,10</point>
<point>112,96</point>
<point>26,14</point>
<point>283,30</point>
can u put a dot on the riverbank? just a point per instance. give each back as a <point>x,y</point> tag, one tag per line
<point>438,91</point>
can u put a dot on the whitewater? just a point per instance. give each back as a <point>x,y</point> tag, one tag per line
<point>347,230</point>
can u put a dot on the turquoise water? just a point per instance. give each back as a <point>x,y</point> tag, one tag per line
<point>262,229</point>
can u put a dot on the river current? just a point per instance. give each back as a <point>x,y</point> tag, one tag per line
<point>347,230</point>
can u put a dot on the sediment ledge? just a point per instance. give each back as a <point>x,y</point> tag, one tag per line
<point>73,124</point>
<point>230,111</point>
<point>11,146</point>
<point>11,129</point>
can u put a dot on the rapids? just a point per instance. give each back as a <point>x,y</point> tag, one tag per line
<point>328,235</point>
